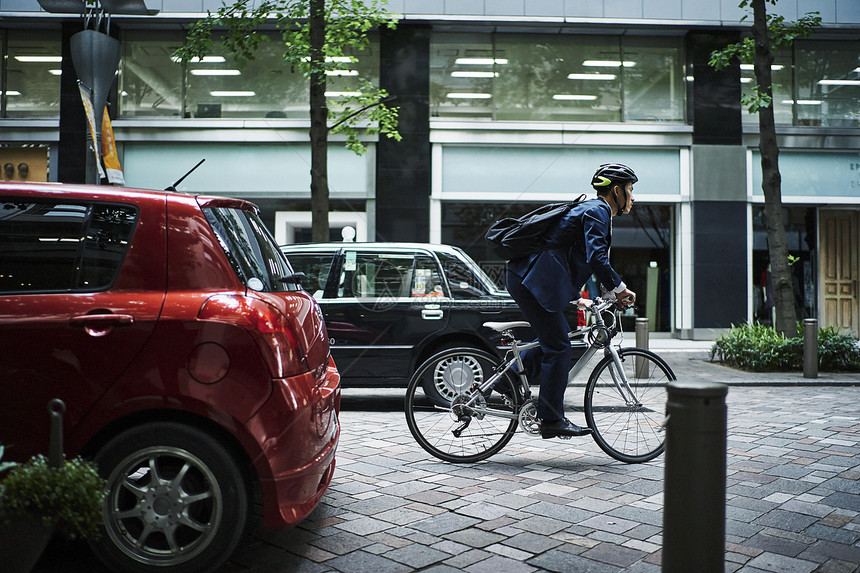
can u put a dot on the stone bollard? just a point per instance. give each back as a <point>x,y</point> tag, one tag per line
<point>641,342</point>
<point>694,508</point>
<point>810,348</point>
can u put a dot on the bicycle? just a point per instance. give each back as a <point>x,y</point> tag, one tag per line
<point>624,403</point>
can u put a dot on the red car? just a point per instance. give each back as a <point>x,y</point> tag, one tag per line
<point>193,366</point>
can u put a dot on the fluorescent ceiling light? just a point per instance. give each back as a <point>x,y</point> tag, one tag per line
<point>746,80</point>
<point>40,59</point>
<point>803,101</point>
<point>839,82</point>
<point>608,63</point>
<point>591,76</point>
<point>55,72</point>
<point>574,97</point>
<point>203,60</point>
<point>341,72</point>
<point>335,59</point>
<point>750,67</point>
<point>342,94</point>
<point>13,93</point>
<point>215,72</point>
<point>481,61</point>
<point>474,74</point>
<point>232,93</point>
<point>468,95</point>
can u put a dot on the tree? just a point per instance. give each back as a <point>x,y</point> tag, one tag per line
<point>768,32</point>
<point>318,36</point>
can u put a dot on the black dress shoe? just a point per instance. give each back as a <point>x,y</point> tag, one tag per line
<point>563,428</point>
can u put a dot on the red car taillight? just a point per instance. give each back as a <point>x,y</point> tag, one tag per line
<point>272,330</point>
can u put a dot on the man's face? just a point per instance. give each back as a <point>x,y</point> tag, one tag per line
<point>624,197</point>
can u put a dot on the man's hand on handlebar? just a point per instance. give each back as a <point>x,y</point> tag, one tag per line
<point>626,298</point>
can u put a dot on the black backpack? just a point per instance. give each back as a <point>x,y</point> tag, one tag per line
<point>514,238</point>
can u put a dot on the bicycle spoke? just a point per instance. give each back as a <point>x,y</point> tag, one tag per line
<point>483,428</point>
<point>628,427</point>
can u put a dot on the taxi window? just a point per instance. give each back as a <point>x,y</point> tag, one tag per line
<point>389,276</point>
<point>315,266</point>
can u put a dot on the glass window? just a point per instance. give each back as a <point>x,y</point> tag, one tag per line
<point>800,232</point>
<point>150,82</point>
<point>461,278</point>
<point>641,249</point>
<point>251,250</point>
<point>388,276</point>
<point>32,87</point>
<point>828,83</point>
<point>316,267</point>
<point>781,78</point>
<point>557,78</point>
<point>653,79</point>
<point>62,247</point>
<point>218,86</point>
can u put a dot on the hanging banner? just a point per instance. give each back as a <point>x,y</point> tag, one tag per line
<point>91,120</point>
<point>111,159</point>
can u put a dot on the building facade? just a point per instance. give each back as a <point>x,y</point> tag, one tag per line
<point>504,105</point>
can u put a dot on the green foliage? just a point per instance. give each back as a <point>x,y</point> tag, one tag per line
<point>780,34</point>
<point>347,23</point>
<point>73,493</point>
<point>756,347</point>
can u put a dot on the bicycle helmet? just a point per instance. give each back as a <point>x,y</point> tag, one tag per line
<point>610,173</point>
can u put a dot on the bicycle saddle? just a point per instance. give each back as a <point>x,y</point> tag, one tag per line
<point>503,326</point>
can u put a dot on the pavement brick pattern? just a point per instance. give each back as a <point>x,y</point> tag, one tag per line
<point>793,499</point>
<point>793,494</point>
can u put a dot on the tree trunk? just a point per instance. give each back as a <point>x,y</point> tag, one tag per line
<point>319,125</point>
<point>786,317</point>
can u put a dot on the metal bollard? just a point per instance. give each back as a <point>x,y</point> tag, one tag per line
<point>56,409</point>
<point>810,348</point>
<point>694,507</point>
<point>641,342</point>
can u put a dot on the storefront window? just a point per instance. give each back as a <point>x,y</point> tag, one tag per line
<point>32,75</point>
<point>263,87</point>
<point>641,250</point>
<point>828,83</point>
<point>150,82</point>
<point>816,83</point>
<point>217,86</point>
<point>800,232</point>
<point>556,78</point>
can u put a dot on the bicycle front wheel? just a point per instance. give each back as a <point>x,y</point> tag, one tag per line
<point>628,424</point>
<point>471,426</point>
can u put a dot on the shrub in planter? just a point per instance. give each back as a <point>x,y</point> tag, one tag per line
<point>34,497</point>
<point>753,346</point>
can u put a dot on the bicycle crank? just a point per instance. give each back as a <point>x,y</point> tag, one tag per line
<point>529,421</point>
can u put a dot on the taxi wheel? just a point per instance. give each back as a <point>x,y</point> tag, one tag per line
<point>452,376</point>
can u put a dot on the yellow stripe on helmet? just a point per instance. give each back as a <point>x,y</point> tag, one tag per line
<point>603,181</point>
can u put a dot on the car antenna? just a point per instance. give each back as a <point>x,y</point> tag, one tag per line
<point>181,179</point>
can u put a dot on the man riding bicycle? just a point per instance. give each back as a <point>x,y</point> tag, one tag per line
<point>544,283</point>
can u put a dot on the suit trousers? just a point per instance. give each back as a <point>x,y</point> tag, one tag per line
<point>550,362</point>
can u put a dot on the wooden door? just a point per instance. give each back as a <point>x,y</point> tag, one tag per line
<point>840,251</point>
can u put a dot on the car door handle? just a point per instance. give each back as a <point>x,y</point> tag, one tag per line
<point>431,314</point>
<point>100,324</point>
<point>84,319</point>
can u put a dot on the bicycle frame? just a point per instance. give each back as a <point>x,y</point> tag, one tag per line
<point>595,342</point>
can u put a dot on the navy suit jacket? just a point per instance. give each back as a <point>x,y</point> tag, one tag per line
<point>555,277</point>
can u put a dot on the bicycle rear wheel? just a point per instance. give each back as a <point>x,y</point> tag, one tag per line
<point>453,431</point>
<point>629,430</point>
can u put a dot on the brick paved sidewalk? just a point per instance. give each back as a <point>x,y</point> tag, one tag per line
<point>793,494</point>
<point>793,502</point>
